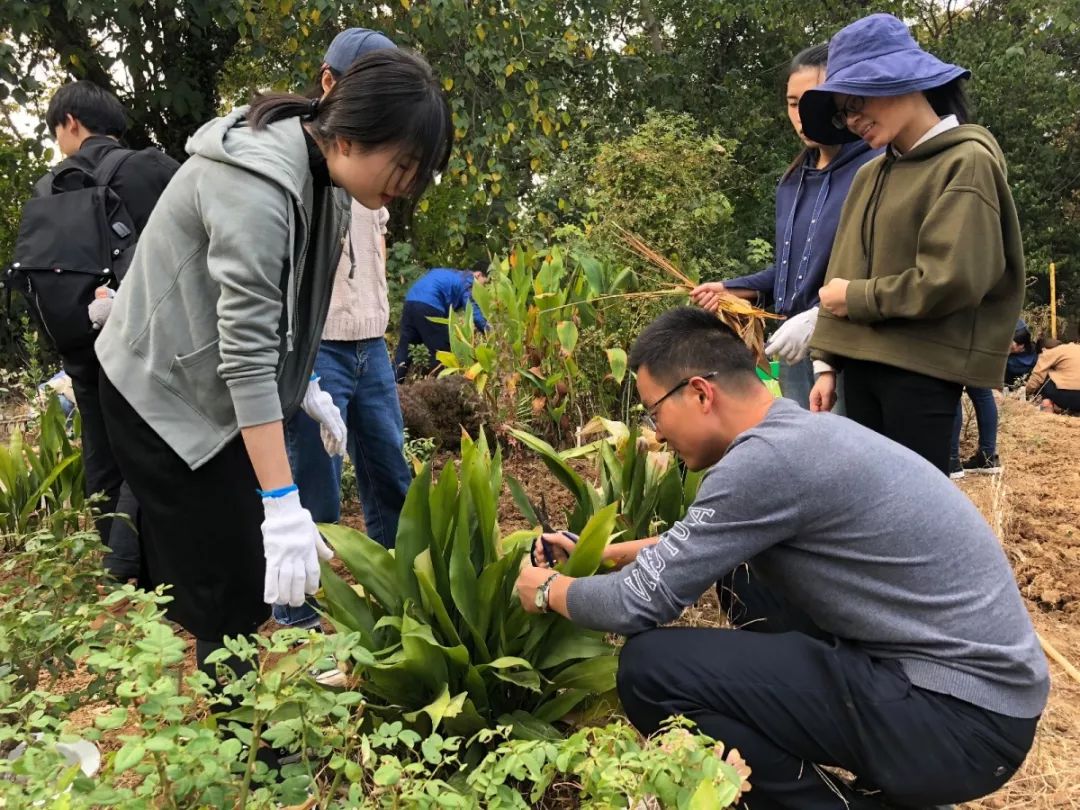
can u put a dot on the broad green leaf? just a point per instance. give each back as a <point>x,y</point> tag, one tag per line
<point>514,670</point>
<point>370,564</point>
<point>430,597</point>
<point>568,642</point>
<point>583,493</point>
<point>585,558</point>
<point>597,675</point>
<point>527,727</point>
<point>617,361</point>
<point>463,576</point>
<point>346,605</point>
<point>441,708</point>
<point>414,533</point>
<point>568,336</point>
<point>521,499</point>
<point>555,709</point>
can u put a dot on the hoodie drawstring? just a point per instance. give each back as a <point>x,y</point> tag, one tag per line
<point>871,210</point>
<point>290,293</point>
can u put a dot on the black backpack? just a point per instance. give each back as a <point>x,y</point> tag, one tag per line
<point>75,235</point>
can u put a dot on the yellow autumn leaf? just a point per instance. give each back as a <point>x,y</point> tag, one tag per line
<point>480,33</point>
<point>534,164</point>
<point>509,71</point>
<point>316,15</point>
<point>405,4</point>
<point>448,84</point>
<point>285,7</point>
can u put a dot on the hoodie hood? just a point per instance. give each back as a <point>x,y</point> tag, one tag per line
<point>848,153</point>
<point>952,137</point>
<point>277,152</point>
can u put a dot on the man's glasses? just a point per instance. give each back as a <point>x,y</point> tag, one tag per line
<point>651,413</point>
<point>853,105</point>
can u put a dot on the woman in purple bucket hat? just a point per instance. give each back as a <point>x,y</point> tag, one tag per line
<point>926,276</point>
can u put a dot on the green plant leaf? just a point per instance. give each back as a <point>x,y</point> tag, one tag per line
<point>371,564</point>
<point>617,361</point>
<point>568,336</point>
<point>347,606</point>
<point>514,670</point>
<point>555,709</point>
<point>414,532</point>
<point>585,558</point>
<point>597,675</point>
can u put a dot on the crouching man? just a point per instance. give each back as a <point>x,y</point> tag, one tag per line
<point>880,628</point>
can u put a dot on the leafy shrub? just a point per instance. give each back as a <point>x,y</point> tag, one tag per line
<point>638,475</point>
<point>449,644</point>
<point>42,484</point>
<point>440,409</point>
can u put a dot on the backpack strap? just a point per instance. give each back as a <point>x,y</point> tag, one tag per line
<point>110,164</point>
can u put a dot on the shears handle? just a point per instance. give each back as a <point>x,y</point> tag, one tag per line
<point>549,551</point>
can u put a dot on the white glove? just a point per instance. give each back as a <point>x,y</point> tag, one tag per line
<point>791,341</point>
<point>292,547</point>
<point>100,308</point>
<point>320,406</point>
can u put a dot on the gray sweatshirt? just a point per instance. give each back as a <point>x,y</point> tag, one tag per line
<point>863,535</point>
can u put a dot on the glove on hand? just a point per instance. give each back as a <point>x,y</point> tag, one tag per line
<point>791,341</point>
<point>320,406</point>
<point>293,548</point>
<point>100,308</point>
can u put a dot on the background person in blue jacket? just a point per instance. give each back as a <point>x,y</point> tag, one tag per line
<point>808,202</point>
<point>433,295</point>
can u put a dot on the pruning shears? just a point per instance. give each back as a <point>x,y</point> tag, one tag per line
<point>541,512</point>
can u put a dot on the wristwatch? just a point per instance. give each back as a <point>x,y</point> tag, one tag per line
<point>542,593</point>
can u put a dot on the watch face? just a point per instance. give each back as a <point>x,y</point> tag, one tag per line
<point>541,599</point>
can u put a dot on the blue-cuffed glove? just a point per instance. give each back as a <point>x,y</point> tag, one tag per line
<point>292,547</point>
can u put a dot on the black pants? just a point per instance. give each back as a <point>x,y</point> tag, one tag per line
<point>417,330</point>
<point>910,408</point>
<point>101,472</point>
<point>1064,398</point>
<point>200,530</point>
<point>791,702</point>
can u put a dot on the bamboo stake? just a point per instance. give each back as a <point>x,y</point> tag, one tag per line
<point>1062,661</point>
<point>1053,300</point>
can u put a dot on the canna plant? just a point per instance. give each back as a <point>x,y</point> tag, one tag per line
<point>41,484</point>
<point>446,641</point>
<point>527,365</point>
<point>637,475</point>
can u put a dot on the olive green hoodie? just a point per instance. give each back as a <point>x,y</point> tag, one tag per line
<point>930,242</point>
<point>219,318</point>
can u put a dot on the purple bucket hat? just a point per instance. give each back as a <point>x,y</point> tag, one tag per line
<point>874,56</point>
<point>351,44</point>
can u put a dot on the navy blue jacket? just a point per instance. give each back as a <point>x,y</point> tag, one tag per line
<point>808,205</point>
<point>445,289</point>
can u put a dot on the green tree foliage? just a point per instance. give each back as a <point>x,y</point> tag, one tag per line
<point>163,59</point>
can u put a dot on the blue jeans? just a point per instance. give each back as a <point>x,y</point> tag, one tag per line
<point>358,376</point>
<point>797,380</point>
<point>986,416</point>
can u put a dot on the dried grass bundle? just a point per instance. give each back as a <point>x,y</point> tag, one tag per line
<point>739,315</point>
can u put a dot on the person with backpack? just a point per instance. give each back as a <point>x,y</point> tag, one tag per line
<point>353,368</point>
<point>77,236</point>
<point>926,275</point>
<point>212,339</point>
<point>809,199</point>
<point>434,295</point>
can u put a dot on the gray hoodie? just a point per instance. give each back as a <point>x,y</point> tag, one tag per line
<point>202,339</point>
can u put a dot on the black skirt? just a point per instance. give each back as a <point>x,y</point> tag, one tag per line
<point>200,531</point>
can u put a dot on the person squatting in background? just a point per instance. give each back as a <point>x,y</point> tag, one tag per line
<point>434,295</point>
